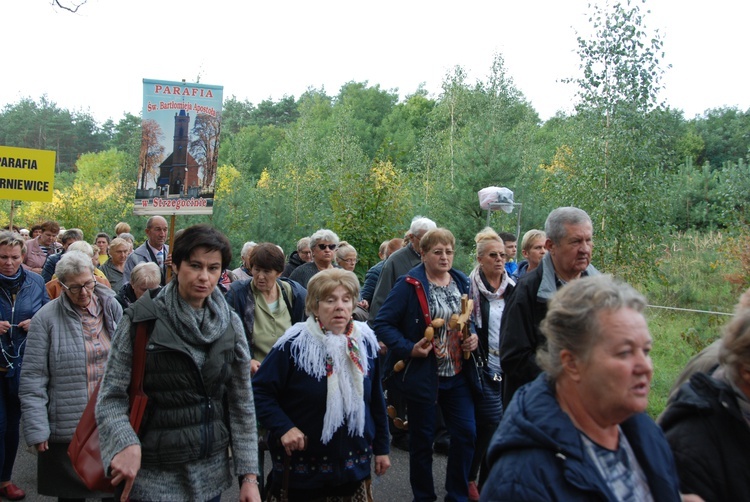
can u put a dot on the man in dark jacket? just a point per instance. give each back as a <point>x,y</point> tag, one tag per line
<point>569,245</point>
<point>302,255</point>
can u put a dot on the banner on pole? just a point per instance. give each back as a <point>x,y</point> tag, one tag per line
<point>179,148</point>
<point>26,174</point>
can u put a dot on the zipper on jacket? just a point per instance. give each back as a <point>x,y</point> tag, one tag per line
<point>206,428</point>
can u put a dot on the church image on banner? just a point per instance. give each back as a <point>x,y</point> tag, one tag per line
<point>179,148</point>
<point>178,174</point>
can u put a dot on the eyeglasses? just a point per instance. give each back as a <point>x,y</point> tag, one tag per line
<point>77,289</point>
<point>441,252</point>
<point>323,247</point>
<point>495,256</point>
<point>350,261</point>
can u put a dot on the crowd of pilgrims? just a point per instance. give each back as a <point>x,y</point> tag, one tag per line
<point>532,377</point>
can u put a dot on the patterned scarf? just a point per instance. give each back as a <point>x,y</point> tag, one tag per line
<point>478,286</point>
<point>343,360</point>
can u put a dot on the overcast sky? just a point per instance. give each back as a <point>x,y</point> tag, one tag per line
<point>95,60</point>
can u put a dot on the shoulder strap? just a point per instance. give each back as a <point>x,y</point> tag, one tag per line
<point>286,297</point>
<point>138,398</point>
<point>422,298</point>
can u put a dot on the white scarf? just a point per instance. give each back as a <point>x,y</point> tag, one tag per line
<point>477,287</point>
<point>312,350</point>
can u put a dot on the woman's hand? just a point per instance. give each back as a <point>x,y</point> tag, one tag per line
<point>24,325</point>
<point>382,463</point>
<point>421,348</point>
<point>254,366</point>
<point>249,492</point>
<point>4,327</point>
<point>124,467</point>
<point>471,343</point>
<point>691,497</point>
<point>43,446</point>
<point>293,440</point>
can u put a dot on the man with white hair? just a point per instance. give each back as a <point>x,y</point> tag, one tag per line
<point>243,271</point>
<point>569,245</point>
<point>397,264</point>
<point>400,262</point>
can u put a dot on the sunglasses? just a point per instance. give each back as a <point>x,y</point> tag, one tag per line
<point>323,247</point>
<point>495,256</point>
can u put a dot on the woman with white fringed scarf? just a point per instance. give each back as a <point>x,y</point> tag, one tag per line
<point>318,393</point>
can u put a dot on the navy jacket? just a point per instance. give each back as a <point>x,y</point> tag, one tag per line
<point>400,324</point>
<point>287,397</point>
<point>30,298</point>
<point>537,454</point>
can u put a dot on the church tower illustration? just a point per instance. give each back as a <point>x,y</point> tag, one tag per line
<point>179,171</point>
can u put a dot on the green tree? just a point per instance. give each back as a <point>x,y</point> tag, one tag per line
<point>492,124</point>
<point>404,127</point>
<point>45,126</point>
<point>278,114</point>
<point>102,167</point>
<point>725,133</point>
<point>616,164</point>
<point>366,108</point>
<point>251,149</point>
<point>235,115</point>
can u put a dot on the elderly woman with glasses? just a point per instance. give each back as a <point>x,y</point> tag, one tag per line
<point>67,350</point>
<point>323,244</point>
<point>437,371</point>
<point>346,256</point>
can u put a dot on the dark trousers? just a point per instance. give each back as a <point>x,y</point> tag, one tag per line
<point>457,404</point>
<point>489,412</point>
<point>10,418</point>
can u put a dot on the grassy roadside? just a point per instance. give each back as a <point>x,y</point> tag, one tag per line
<point>695,271</point>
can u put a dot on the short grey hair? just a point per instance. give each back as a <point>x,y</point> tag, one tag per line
<point>323,235</point>
<point>73,263</point>
<point>303,243</point>
<point>344,249</point>
<point>146,273</point>
<point>246,248</point>
<point>82,246</point>
<point>554,227</point>
<point>128,237</point>
<point>119,242</point>
<point>572,320</point>
<point>420,224</point>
